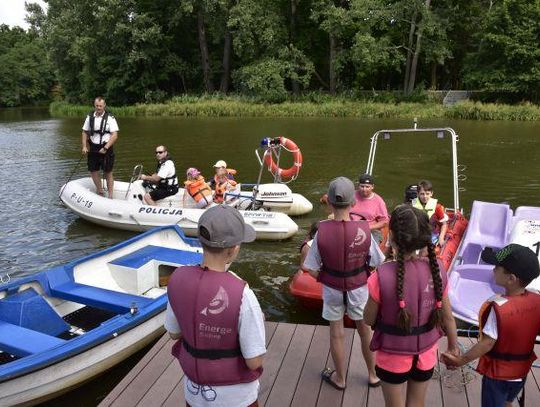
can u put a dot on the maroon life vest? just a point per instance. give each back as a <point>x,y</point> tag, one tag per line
<point>344,249</point>
<point>206,304</point>
<point>518,323</point>
<point>420,301</point>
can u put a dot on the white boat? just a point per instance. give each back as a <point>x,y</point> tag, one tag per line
<point>127,211</point>
<point>64,326</point>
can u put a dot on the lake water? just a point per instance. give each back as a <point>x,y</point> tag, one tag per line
<point>38,154</point>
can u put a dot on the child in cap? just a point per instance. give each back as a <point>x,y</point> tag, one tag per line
<point>216,318</point>
<point>434,210</point>
<point>509,324</point>
<point>407,307</point>
<point>223,181</point>
<point>197,188</point>
<point>339,257</point>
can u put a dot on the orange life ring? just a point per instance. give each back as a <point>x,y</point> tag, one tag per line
<point>290,172</point>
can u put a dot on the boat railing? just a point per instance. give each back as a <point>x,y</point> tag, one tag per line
<point>135,175</point>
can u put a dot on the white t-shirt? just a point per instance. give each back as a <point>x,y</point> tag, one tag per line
<point>490,329</point>
<point>167,170</point>
<point>252,344</point>
<point>332,296</point>
<point>110,127</point>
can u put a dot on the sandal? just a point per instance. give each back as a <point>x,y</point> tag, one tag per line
<point>326,375</point>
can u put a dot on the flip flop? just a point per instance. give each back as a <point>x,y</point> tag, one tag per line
<point>375,384</point>
<point>326,375</point>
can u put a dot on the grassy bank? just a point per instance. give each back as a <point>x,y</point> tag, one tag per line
<point>208,106</point>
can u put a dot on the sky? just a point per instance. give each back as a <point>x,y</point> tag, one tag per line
<point>12,12</point>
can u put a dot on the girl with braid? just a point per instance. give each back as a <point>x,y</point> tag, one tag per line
<point>409,310</point>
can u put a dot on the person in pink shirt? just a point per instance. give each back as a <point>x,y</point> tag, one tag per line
<point>408,307</point>
<point>370,206</point>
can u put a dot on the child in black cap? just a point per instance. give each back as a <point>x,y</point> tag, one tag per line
<point>509,324</point>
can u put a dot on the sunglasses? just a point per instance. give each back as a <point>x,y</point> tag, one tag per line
<point>160,152</point>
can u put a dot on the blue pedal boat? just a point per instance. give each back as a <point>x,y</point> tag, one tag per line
<point>63,326</point>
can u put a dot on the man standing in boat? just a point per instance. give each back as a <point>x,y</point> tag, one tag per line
<point>100,132</point>
<point>370,206</point>
<point>163,180</point>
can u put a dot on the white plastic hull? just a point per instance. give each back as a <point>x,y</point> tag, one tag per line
<point>131,214</point>
<point>59,378</point>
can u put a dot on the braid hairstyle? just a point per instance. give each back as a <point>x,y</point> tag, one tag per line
<point>436,318</point>
<point>411,231</point>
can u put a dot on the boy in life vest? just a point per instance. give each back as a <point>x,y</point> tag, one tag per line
<point>407,307</point>
<point>197,188</point>
<point>216,318</point>
<point>223,181</point>
<point>434,210</point>
<point>339,257</point>
<point>509,324</point>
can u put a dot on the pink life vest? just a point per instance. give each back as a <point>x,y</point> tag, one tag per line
<point>419,295</point>
<point>206,304</point>
<point>344,249</point>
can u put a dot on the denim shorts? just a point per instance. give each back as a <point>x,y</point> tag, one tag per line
<point>495,393</point>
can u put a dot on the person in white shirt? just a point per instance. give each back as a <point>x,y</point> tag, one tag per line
<point>163,182</point>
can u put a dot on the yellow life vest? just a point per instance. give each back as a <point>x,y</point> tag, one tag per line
<point>429,208</point>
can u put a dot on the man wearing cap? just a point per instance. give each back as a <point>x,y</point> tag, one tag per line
<point>223,181</point>
<point>216,318</point>
<point>339,257</point>
<point>164,182</point>
<point>370,206</point>
<point>509,324</point>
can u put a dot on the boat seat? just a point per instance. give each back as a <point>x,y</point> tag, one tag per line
<point>101,298</point>
<point>145,254</point>
<point>22,342</point>
<point>527,213</point>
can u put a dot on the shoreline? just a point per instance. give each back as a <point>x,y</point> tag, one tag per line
<point>206,106</point>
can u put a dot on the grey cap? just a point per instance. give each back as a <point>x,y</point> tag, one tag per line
<point>341,192</point>
<point>223,226</point>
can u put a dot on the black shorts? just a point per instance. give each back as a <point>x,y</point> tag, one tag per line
<point>97,161</point>
<point>160,193</point>
<point>397,378</point>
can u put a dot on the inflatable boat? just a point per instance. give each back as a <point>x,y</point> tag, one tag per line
<point>471,282</point>
<point>309,292</point>
<point>63,326</point>
<point>127,211</point>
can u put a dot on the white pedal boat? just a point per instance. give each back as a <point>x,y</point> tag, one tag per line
<point>127,211</point>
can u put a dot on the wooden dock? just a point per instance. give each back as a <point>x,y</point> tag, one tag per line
<point>296,354</point>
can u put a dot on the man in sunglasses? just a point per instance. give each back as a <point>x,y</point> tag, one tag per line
<point>163,181</point>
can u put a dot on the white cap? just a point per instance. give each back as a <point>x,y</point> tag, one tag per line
<point>220,164</point>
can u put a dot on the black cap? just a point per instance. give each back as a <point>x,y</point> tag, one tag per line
<point>517,259</point>
<point>366,179</point>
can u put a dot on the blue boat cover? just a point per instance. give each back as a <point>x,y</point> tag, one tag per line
<point>145,254</point>
<point>30,310</point>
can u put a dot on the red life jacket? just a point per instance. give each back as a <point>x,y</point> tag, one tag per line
<point>518,323</point>
<point>420,301</point>
<point>206,304</point>
<point>344,249</point>
<point>223,185</point>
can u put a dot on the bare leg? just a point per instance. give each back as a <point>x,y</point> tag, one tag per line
<point>97,182</point>
<point>365,338</point>
<point>393,395</point>
<point>110,183</point>
<point>337,340</point>
<point>416,393</point>
<point>148,200</point>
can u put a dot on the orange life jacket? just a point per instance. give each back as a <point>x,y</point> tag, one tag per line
<point>222,186</point>
<point>518,323</point>
<point>198,189</point>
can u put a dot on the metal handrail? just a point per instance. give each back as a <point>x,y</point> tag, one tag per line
<point>135,175</point>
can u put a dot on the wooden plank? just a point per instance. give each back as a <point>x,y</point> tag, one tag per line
<point>286,381</point>
<point>133,373</point>
<point>309,383</point>
<point>176,397</point>
<point>274,357</point>
<point>146,378</point>
<point>328,396</point>
<point>356,394</point>
<point>163,386</point>
<point>269,329</point>
<point>473,388</point>
<point>453,391</point>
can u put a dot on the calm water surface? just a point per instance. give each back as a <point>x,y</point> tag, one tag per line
<point>38,154</point>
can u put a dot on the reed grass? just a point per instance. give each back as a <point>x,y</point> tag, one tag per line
<point>325,106</point>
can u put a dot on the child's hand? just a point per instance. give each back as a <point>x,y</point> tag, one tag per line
<point>451,360</point>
